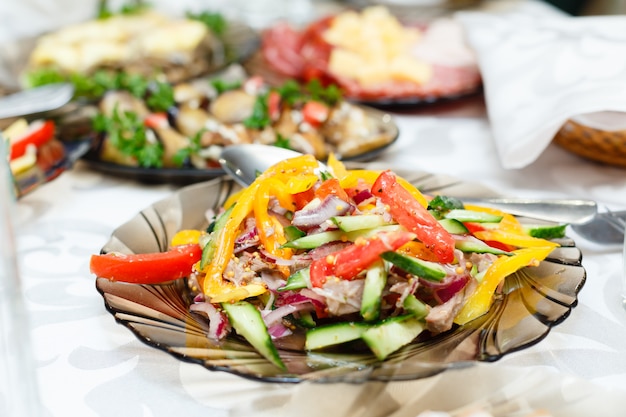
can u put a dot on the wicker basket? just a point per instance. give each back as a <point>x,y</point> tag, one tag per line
<point>607,147</point>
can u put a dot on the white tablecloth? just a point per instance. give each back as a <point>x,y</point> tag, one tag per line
<point>88,365</point>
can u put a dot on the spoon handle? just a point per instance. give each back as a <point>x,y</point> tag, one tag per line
<point>560,211</point>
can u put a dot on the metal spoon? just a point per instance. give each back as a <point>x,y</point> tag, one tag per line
<point>244,162</point>
<point>36,100</point>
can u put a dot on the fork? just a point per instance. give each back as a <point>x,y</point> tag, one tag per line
<point>617,222</point>
<point>606,228</point>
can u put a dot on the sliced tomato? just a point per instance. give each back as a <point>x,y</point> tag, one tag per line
<point>147,268</point>
<point>408,212</point>
<point>303,198</point>
<point>331,186</point>
<point>347,263</point>
<point>156,120</point>
<point>315,113</point>
<point>39,132</point>
<point>273,105</point>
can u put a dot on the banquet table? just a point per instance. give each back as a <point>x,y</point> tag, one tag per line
<point>87,364</point>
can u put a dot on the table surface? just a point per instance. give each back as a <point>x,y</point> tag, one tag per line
<point>89,365</point>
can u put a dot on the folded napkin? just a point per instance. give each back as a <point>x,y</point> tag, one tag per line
<point>540,69</point>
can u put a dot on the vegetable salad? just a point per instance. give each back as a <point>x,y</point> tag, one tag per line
<point>341,257</point>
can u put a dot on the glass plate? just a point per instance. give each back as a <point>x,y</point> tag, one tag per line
<point>530,303</point>
<point>385,126</point>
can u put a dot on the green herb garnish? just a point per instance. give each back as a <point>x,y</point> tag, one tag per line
<point>222,86</point>
<point>127,133</point>
<point>282,142</point>
<point>260,117</point>
<point>214,21</point>
<point>194,147</point>
<point>160,96</point>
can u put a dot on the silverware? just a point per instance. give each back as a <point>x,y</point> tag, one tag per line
<point>36,100</point>
<point>244,162</point>
<point>606,228</point>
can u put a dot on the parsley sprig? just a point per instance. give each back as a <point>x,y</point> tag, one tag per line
<point>214,21</point>
<point>127,133</point>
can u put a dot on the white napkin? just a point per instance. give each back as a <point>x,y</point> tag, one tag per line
<point>540,69</point>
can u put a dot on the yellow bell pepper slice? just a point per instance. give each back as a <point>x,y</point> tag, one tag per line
<point>480,300</point>
<point>519,240</point>
<point>213,283</point>
<point>337,168</point>
<point>187,236</point>
<point>234,197</point>
<point>271,232</point>
<point>231,293</point>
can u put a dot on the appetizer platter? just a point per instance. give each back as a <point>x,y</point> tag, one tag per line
<point>36,155</point>
<point>138,41</point>
<point>375,58</point>
<point>176,132</point>
<point>340,275</point>
<point>136,48</point>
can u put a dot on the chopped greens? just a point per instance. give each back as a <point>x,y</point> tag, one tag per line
<point>260,117</point>
<point>292,93</point>
<point>194,147</point>
<point>127,133</point>
<point>282,142</point>
<point>104,12</point>
<point>214,21</point>
<point>160,96</point>
<point>221,86</point>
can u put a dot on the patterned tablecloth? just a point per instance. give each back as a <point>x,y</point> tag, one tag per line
<point>88,365</point>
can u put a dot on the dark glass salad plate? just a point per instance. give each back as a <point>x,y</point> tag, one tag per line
<point>529,304</point>
<point>385,127</point>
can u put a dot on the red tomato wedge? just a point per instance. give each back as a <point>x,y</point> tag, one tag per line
<point>39,132</point>
<point>331,186</point>
<point>273,105</point>
<point>408,212</point>
<point>347,263</point>
<point>315,113</point>
<point>156,120</point>
<point>147,268</point>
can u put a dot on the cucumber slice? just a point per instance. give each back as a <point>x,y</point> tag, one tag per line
<point>415,307</point>
<point>298,280</point>
<point>375,281</point>
<point>365,221</point>
<point>545,231</point>
<point>423,269</point>
<point>389,336</point>
<point>306,320</point>
<point>247,322</point>
<point>209,249</point>
<point>293,233</point>
<point>478,247</point>
<point>315,240</point>
<point>454,226</point>
<point>334,334</point>
<point>472,216</point>
<point>318,239</point>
